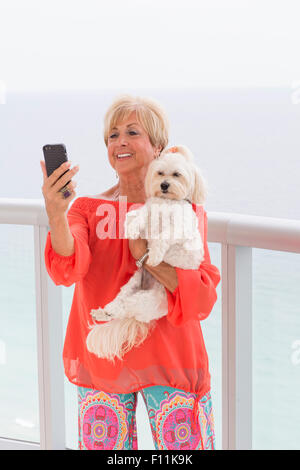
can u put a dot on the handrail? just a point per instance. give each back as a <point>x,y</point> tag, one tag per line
<point>254,231</point>
<point>234,229</point>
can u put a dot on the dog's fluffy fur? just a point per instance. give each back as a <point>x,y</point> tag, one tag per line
<point>169,223</point>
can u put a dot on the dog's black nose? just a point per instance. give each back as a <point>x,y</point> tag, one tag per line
<point>164,186</point>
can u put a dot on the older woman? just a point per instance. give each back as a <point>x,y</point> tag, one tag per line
<point>170,368</point>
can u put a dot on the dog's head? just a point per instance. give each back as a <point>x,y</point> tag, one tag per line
<point>173,175</point>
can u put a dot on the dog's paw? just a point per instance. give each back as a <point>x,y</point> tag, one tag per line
<point>153,259</point>
<point>100,315</point>
<point>133,225</point>
<point>132,230</point>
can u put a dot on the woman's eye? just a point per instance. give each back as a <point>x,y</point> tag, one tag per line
<point>113,136</point>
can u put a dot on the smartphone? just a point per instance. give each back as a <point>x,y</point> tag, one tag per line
<point>54,156</point>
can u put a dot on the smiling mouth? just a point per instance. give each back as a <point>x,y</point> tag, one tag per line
<point>124,156</point>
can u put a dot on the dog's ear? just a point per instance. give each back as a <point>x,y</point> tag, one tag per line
<point>200,187</point>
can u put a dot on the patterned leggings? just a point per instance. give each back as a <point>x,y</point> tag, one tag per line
<point>107,420</point>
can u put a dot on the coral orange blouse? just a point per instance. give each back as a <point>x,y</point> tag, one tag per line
<point>174,354</point>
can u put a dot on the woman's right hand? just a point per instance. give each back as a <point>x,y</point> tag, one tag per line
<point>56,204</point>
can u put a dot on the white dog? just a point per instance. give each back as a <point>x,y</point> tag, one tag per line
<point>169,223</point>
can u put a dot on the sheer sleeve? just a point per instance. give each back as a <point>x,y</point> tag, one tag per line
<point>195,295</point>
<point>65,270</point>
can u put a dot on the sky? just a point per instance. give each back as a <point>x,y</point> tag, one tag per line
<point>96,44</point>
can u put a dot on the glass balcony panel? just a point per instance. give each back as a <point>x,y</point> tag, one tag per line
<point>19,403</point>
<point>276,350</point>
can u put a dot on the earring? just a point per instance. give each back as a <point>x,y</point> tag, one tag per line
<point>117,176</point>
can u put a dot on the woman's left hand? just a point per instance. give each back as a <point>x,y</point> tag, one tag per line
<point>164,273</point>
<point>138,247</point>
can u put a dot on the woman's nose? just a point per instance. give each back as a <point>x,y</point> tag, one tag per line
<point>123,139</point>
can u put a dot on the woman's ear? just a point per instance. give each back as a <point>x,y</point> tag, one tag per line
<point>199,193</point>
<point>158,149</point>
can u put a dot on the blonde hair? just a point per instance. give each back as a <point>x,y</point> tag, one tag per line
<point>150,115</point>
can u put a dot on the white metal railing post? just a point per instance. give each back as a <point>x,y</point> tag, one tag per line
<point>236,347</point>
<point>50,344</point>
<point>226,340</point>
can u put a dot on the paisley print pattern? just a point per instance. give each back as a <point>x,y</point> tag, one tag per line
<point>172,424</point>
<point>107,421</point>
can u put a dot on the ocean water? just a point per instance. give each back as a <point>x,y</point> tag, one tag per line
<point>246,143</point>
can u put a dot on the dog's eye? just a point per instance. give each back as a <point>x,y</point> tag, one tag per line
<point>176,174</point>
<point>160,173</point>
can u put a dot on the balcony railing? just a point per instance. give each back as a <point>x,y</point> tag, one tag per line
<point>237,234</point>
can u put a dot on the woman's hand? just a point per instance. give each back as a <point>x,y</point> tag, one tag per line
<point>164,273</point>
<point>56,205</point>
<point>138,247</point>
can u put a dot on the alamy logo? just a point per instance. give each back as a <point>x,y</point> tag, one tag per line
<point>155,222</point>
<point>2,92</point>
<point>295,96</point>
<point>2,352</point>
<point>295,356</point>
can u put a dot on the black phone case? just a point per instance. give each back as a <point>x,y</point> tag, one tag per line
<point>54,156</point>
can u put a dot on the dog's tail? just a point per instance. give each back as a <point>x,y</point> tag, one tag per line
<point>115,338</point>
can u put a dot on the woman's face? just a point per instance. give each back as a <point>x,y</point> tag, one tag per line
<point>129,147</point>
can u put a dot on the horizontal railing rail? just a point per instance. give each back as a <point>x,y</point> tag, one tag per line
<point>224,227</point>
<point>238,234</point>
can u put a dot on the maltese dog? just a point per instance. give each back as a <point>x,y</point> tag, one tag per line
<point>170,225</point>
